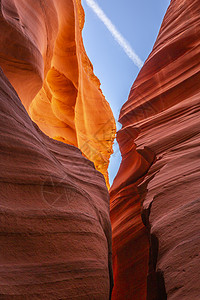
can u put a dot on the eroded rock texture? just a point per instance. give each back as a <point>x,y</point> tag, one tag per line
<point>42,54</point>
<point>156,193</point>
<point>54,214</point>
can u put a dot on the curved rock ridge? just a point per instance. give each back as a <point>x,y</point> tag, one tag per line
<point>42,54</point>
<point>54,214</point>
<point>155,207</point>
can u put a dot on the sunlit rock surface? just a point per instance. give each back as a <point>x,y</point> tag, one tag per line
<point>54,214</point>
<point>42,54</point>
<point>156,193</point>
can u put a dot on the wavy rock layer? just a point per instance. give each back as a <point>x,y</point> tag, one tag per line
<point>42,54</point>
<point>54,214</point>
<point>160,170</point>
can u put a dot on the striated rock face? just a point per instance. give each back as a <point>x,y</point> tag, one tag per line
<point>156,193</point>
<point>42,54</point>
<point>54,214</point>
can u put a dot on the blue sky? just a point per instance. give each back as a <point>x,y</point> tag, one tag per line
<point>139,22</point>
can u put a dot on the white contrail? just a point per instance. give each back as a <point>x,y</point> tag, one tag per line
<point>115,33</point>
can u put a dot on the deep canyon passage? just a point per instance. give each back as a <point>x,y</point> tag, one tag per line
<point>64,233</point>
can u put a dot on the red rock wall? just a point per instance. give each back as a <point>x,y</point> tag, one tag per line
<point>155,195</point>
<point>54,213</point>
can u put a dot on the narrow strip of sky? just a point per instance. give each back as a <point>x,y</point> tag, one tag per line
<point>115,33</point>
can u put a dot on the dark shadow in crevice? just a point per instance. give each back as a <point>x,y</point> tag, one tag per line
<point>155,279</point>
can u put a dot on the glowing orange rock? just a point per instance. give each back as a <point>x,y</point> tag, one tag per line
<point>155,195</point>
<point>42,54</point>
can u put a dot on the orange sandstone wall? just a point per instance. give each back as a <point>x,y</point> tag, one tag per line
<point>42,54</point>
<point>155,208</point>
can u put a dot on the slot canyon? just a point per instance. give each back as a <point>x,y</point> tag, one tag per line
<point>65,233</point>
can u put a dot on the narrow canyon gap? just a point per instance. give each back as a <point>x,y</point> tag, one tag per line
<point>57,132</point>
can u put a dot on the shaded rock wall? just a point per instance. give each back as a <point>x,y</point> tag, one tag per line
<point>54,213</point>
<point>155,195</point>
<point>42,54</point>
